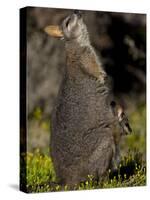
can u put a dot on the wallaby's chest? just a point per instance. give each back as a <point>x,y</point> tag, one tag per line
<point>80,106</point>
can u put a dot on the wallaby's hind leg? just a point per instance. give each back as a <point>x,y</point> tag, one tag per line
<point>100,161</point>
<point>71,176</point>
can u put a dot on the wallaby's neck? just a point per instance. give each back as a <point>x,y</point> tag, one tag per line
<point>82,41</point>
<point>74,49</point>
<point>76,44</point>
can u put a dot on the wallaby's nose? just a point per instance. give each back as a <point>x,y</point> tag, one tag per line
<point>78,13</point>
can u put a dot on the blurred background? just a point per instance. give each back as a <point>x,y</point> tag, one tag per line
<point>118,38</point>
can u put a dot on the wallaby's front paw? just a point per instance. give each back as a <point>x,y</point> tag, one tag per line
<point>100,82</point>
<point>98,88</point>
<point>102,78</point>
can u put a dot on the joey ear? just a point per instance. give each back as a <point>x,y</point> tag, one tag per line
<point>54,31</point>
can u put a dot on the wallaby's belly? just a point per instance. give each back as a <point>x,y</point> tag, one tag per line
<point>81,127</point>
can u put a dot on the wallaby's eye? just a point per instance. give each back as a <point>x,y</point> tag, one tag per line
<point>67,23</point>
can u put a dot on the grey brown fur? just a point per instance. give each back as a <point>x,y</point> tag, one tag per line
<point>83,124</point>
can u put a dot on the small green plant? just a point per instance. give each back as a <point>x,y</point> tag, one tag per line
<point>39,171</point>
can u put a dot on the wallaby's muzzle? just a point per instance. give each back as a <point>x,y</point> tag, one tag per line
<point>78,13</point>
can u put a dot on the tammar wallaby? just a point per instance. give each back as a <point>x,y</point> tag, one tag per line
<point>85,119</point>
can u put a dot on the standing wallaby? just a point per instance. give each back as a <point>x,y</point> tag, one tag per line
<point>85,119</point>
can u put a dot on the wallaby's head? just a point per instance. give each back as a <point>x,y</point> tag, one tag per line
<point>71,29</point>
<point>73,26</point>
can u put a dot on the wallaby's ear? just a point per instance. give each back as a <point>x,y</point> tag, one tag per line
<point>54,31</point>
